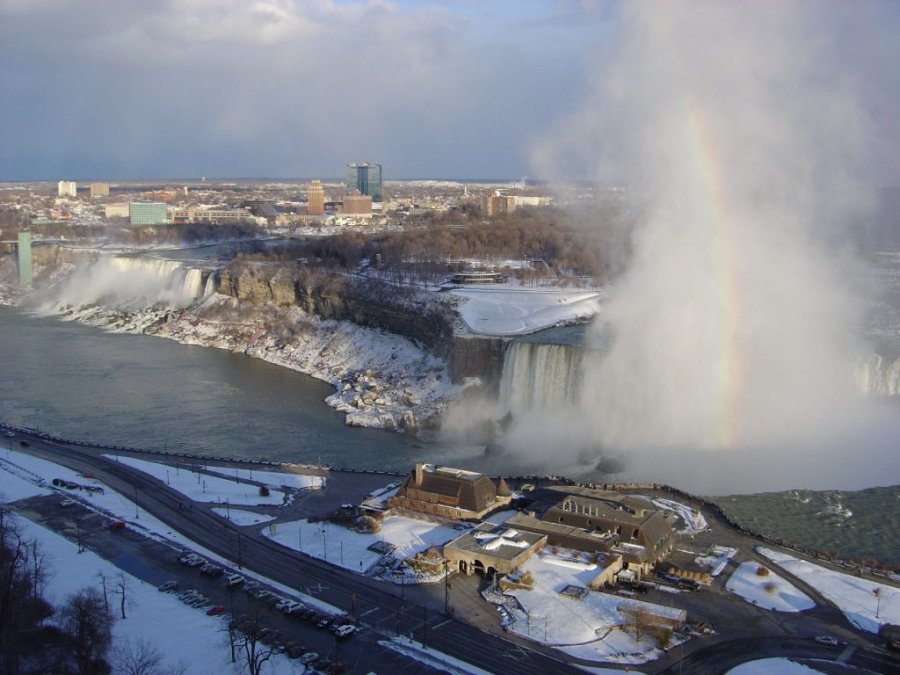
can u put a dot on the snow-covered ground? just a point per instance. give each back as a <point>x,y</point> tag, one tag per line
<point>777,666</point>
<point>859,599</point>
<point>202,487</point>
<point>769,592</point>
<point>273,479</point>
<point>240,517</point>
<point>588,628</point>
<point>183,635</point>
<point>349,549</point>
<point>492,310</point>
<point>381,380</point>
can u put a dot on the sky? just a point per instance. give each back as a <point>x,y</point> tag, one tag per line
<point>134,89</point>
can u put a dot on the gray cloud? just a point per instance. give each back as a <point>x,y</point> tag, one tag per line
<point>229,87</point>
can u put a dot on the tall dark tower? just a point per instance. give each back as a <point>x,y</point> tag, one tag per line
<point>366,178</point>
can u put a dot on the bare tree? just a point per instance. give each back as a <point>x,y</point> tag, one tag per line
<point>122,590</point>
<point>245,632</point>
<point>139,657</point>
<point>89,625</point>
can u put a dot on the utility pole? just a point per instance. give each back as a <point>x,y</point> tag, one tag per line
<point>425,626</point>
<point>136,514</point>
<point>446,586</point>
<point>239,549</point>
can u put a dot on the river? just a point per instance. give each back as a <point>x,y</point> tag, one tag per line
<point>81,382</point>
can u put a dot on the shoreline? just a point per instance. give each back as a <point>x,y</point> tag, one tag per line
<point>380,380</point>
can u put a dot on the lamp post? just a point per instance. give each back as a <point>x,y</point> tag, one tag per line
<point>446,586</point>
<point>136,514</point>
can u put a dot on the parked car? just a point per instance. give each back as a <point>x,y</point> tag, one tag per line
<point>215,610</point>
<point>67,502</point>
<point>309,658</point>
<point>234,580</point>
<point>345,630</point>
<point>324,623</point>
<point>168,586</point>
<point>826,640</point>
<point>116,525</point>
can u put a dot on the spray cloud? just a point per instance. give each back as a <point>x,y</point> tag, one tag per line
<point>747,129</point>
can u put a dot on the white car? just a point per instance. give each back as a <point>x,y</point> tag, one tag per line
<point>345,630</point>
<point>234,580</point>
<point>308,658</point>
<point>826,640</point>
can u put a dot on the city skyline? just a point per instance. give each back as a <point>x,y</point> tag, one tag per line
<point>230,89</point>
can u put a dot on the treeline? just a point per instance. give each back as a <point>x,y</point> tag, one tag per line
<point>551,238</point>
<point>185,233</point>
<point>74,638</point>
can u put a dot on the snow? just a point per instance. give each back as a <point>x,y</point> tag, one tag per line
<point>348,549</point>
<point>694,522</point>
<point>239,517</point>
<point>430,657</point>
<point>275,479</point>
<point>855,597</point>
<point>589,628</point>
<point>183,635</point>
<point>515,311</point>
<point>783,596</point>
<point>17,481</point>
<point>776,666</point>
<point>202,487</point>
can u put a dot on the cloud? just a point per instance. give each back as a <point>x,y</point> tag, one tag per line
<point>272,87</point>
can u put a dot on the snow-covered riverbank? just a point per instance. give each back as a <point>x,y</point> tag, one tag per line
<point>381,380</point>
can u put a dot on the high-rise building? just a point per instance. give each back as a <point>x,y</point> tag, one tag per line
<point>147,213</point>
<point>24,258</point>
<point>366,178</point>
<point>99,189</point>
<point>67,188</point>
<point>315,197</point>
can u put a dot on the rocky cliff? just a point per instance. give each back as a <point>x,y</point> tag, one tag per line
<point>427,319</point>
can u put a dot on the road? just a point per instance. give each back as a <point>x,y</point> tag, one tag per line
<point>418,613</point>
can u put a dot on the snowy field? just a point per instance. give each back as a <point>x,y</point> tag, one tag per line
<point>859,599</point>
<point>184,636</point>
<point>511,311</point>
<point>241,517</point>
<point>202,487</point>
<point>589,628</point>
<point>769,592</point>
<point>273,479</point>
<point>348,549</point>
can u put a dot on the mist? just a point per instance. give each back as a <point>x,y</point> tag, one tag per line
<point>754,133</point>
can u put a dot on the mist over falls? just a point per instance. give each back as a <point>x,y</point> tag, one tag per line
<point>754,137</point>
<point>131,283</point>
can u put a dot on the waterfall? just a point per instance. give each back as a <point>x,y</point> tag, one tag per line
<point>540,376</point>
<point>130,283</point>
<point>212,284</point>
<point>879,376</point>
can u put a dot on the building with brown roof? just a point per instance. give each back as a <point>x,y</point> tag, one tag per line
<point>599,521</point>
<point>449,493</point>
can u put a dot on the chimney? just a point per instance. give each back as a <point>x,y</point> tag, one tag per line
<point>419,469</point>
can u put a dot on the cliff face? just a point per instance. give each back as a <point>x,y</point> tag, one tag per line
<point>371,304</point>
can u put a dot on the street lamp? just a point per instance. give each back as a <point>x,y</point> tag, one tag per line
<point>136,514</point>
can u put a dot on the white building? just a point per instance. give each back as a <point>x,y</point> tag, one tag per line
<point>67,188</point>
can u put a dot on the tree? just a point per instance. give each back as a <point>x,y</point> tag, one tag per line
<point>89,625</point>
<point>142,658</point>
<point>245,635</point>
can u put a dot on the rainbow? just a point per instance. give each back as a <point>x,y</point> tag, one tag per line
<point>728,366</point>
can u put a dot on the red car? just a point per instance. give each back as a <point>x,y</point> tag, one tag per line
<point>116,525</point>
<point>215,610</point>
